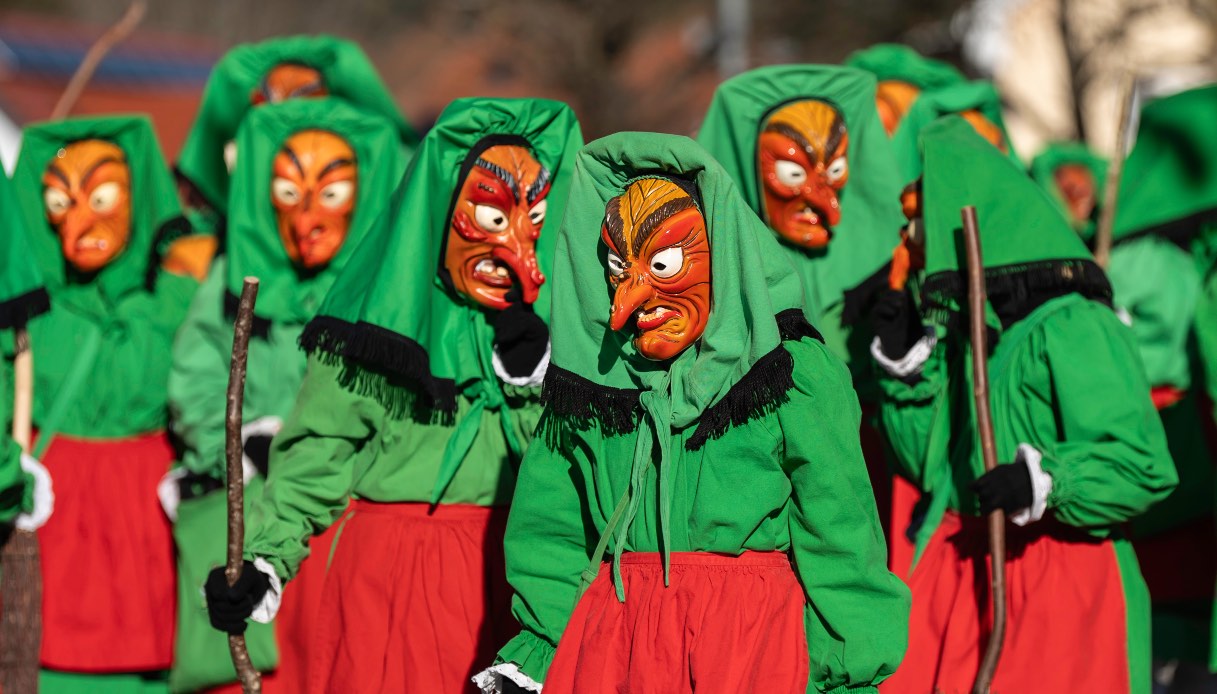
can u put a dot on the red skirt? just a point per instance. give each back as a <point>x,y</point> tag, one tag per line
<point>415,600</point>
<point>723,624</point>
<point>109,588</point>
<point>1066,615</point>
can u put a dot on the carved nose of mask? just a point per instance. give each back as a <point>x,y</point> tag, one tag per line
<point>629,297</point>
<point>525,270</point>
<point>824,198</point>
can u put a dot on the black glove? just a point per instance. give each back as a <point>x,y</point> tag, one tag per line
<point>897,323</point>
<point>520,336</point>
<point>510,687</point>
<point>1005,487</point>
<point>229,607</point>
<point>257,449</point>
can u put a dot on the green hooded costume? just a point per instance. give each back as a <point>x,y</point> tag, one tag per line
<point>1163,276</point>
<point>651,456</point>
<point>1069,400</point>
<point>101,360</point>
<point>930,106</point>
<point>899,63</point>
<point>870,201</point>
<point>1058,154</point>
<point>287,299</point>
<point>346,73</point>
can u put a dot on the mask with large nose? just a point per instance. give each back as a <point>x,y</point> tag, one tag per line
<point>658,267</point>
<point>802,158</point>
<point>313,192</point>
<point>87,198</point>
<point>497,219</point>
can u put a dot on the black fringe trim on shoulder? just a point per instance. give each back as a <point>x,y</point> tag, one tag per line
<point>382,364</point>
<point>762,390</point>
<point>260,327</point>
<point>578,401</point>
<point>1015,291</point>
<point>20,309</point>
<point>860,300</point>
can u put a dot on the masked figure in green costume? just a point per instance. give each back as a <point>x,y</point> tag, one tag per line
<point>420,396</point>
<point>260,73</point>
<point>903,75</point>
<point>26,495</point>
<point>317,175</point>
<point>100,207</point>
<point>697,436</point>
<point>1074,175</point>
<point>1071,409</point>
<point>1162,274</point>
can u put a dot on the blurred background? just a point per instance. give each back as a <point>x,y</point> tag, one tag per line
<point>622,64</point>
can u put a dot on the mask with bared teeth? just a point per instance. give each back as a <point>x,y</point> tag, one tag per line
<point>86,191</point>
<point>313,192</point>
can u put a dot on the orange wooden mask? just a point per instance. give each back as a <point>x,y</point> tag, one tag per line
<point>1078,188</point>
<point>893,99</point>
<point>659,266</point>
<point>289,81</point>
<point>803,166</point>
<point>985,128</point>
<point>86,192</point>
<point>313,188</point>
<point>497,219</point>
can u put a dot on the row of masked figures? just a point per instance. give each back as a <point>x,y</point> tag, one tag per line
<point>649,413</point>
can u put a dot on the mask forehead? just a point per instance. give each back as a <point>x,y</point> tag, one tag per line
<point>311,155</point>
<point>817,127</point>
<point>636,214</point>
<point>85,163</point>
<point>289,80</point>
<point>516,167</point>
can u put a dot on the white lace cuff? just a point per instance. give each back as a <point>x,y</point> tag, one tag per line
<point>44,496</point>
<point>1041,485</point>
<point>490,680</point>
<point>268,607</point>
<point>266,426</point>
<point>169,491</point>
<point>911,363</point>
<point>530,381</point>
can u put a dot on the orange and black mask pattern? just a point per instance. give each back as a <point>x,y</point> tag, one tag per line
<point>313,185</point>
<point>1079,189</point>
<point>496,221</point>
<point>658,267</point>
<point>86,192</point>
<point>288,81</point>
<point>802,159</point>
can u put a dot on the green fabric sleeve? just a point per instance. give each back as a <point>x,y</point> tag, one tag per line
<point>857,611</point>
<point>1206,340</point>
<point>16,486</point>
<point>198,380</point>
<point>916,416</point>
<point>312,467</point>
<point>1110,462</point>
<point>548,544</point>
<point>1161,311</point>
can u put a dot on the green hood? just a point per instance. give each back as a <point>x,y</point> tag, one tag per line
<point>897,62</point>
<point>155,216</point>
<point>348,74</point>
<point>931,106</point>
<point>1173,165</point>
<point>737,370</point>
<point>22,295</point>
<point>1030,252</point>
<point>870,200</point>
<point>389,312</point>
<point>287,294</point>
<point>1058,154</point>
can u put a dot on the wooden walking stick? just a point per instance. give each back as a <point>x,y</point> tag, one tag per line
<point>988,445</point>
<point>21,577</point>
<point>1111,187</point>
<point>84,72</point>
<point>251,681</point>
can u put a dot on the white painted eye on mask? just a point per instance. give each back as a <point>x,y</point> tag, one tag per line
<point>537,213</point>
<point>667,262</point>
<point>789,173</point>
<point>285,192</point>
<point>337,194</point>
<point>615,265</point>
<point>490,218</point>
<point>837,169</point>
<point>57,202</point>
<point>104,197</point>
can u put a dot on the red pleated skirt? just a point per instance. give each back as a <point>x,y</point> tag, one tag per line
<point>723,624</point>
<point>109,590</point>
<point>416,600</point>
<point>1066,615</point>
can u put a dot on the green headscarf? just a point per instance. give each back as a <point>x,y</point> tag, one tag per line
<point>1170,177</point>
<point>22,295</point>
<point>870,200</point>
<point>897,62</point>
<point>389,313</point>
<point>348,74</point>
<point>1058,154</point>
<point>155,216</point>
<point>735,371</point>
<point>931,106</point>
<point>1030,252</point>
<point>288,294</point>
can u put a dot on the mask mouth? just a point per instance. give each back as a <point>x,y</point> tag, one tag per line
<point>89,242</point>
<point>492,272</point>
<point>647,320</point>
